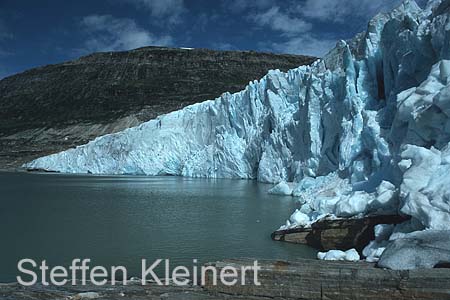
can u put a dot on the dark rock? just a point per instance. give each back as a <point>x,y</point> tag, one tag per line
<point>314,279</point>
<point>52,108</point>
<point>341,234</point>
<point>107,292</point>
<point>302,279</point>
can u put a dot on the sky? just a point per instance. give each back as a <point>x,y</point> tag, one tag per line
<point>39,32</point>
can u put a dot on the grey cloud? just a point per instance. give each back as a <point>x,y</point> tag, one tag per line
<point>281,21</point>
<point>338,11</point>
<point>163,10</point>
<point>305,45</point>
<point>238,6</point>
<point>106,33</point>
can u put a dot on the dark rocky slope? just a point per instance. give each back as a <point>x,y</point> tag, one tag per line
<point>52,108</point>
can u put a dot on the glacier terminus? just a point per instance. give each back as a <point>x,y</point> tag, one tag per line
<point>364,130</point>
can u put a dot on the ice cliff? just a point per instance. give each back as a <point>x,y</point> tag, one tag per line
<point>365,130</point>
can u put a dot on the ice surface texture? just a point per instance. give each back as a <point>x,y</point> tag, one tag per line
<point>333,116</point>
<point>363,130</point>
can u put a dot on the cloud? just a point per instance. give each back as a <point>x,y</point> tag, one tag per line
<point>299,22</point>
<point>310,41</point>
<point>305,44</point>
<point>106,33</point>
<point>280,21</point>
<point>338,11</point>
<point>296,33</point>
<point>166,10</point>
<point>237,6</point>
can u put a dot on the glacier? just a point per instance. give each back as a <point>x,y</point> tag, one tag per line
<point>364,130</point>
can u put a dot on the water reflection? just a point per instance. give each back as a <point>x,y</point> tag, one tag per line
<point>119,220</point>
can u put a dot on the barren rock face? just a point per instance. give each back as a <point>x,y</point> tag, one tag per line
<point>52,108</point>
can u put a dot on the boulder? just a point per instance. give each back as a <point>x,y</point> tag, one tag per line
<point>342,234</point>
<point>418,250</point>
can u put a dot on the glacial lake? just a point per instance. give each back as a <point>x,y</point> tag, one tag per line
<point>119,220</point>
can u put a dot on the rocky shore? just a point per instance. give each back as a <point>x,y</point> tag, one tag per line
<point>342,234</point>
<point>302,279</point>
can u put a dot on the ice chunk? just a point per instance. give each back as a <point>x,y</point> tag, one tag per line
<point>281,188</point>
<point>352,255</point>
<point>422,249</point>
<point>401,230</point>
<point>375,249</point>
<point>383,231</point>
<point>354,204</point>
<point>331,255</point>
<point>299,219</point>
<point>424,190</point>
<point>386,198</point>
<point>303,186</point>
<point>349,255</point>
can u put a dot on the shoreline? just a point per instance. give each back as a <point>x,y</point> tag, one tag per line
<point>13,170</point>
<point>299,279</point>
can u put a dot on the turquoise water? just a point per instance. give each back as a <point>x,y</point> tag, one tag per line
<point>119,220</point>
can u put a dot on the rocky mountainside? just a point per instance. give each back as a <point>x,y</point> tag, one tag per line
<point>52,108</point>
